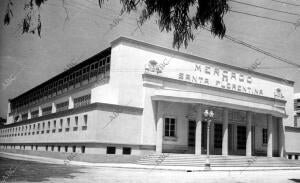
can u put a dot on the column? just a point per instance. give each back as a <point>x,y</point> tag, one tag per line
<point>248,134</point>
<point>29,114</point>
<point>225,133</point>
<point>40,111</point>
<point>53,108</point>
<point>212,139</point>
<point>71,103</point>
<point>9,119</point>
<point>280,137</point>
<point>198,131</point>
<point>234,138</point>
<point>270,136</point>
<point>159,127</point>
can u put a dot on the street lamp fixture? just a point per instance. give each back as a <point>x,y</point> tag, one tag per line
<point>208,117</point>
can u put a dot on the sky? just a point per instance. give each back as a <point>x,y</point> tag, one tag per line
<point>73,30</point>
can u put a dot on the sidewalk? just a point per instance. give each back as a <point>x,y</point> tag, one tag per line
<point>135,166</point>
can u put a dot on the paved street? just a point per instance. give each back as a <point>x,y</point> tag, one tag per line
<point>27,171</point>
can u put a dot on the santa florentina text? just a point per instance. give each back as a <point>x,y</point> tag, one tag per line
<point>213,76</point>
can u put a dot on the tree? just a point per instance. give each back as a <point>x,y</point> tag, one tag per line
<point>2,121</point>
<point>181,17</point>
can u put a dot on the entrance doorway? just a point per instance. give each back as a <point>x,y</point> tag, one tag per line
<point>241,140</point>
<point>192,132</point>
<point>191,136</point>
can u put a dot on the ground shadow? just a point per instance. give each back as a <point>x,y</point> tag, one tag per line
<point>19,170</point>
<point>295,180</point>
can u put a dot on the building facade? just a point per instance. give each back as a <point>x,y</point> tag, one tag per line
<point>297,110</point>
<point>136,98</point>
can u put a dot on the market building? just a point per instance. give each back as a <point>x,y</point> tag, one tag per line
<point>137,98</point>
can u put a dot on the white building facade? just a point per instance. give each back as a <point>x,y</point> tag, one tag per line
<point>141,98</point>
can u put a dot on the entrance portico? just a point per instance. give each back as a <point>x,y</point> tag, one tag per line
<point>227,137</point>
<point>243,124</point>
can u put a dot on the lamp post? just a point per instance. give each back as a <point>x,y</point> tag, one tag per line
<point>208,116</point>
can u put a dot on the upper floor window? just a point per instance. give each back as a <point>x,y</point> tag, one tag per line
<point>236,115</point>
<point>65,83</point>
<point>25,116</point>
<point>85,73</point>
<point>99,68</point>
<point>62,106</point>
<point>170,127</point>
<point>296,121</point>
<point>68,122</point>
<point>34,114</point>
<point>78,76</point>
<point>82,101</point>
<point>60,85</point>
<point>94,69</point>
<point>85,119</point>
<point>47,110</point>
<point>76,120</point>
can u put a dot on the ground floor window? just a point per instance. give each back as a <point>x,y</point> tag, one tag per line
<point>126,150</point>
<point>170,127</point>
<point>82,149</point>
<point>74,148</point>
<point>241,137</point>
<point>111,150</point>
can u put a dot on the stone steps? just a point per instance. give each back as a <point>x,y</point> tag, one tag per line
<point>215,161</point>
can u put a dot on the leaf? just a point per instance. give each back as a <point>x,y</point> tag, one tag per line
<point>6,19</point>
<point>11,13</point>
<point>39,2</point>
<point>171,16</point>
<point>100,2</point>
<point>8,14</point>
<point>39,27</point>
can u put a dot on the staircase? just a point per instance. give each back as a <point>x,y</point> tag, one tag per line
<point>215,161</point>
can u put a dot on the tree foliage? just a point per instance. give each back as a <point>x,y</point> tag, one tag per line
<point>182,17</point>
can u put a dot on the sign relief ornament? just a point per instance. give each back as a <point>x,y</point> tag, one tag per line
<point>153,67</point>
<point>278,94</point>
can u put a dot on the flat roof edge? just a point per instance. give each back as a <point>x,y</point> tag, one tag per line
<point>160,48</point>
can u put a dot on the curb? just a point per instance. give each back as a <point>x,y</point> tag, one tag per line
<point>137,166</point>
